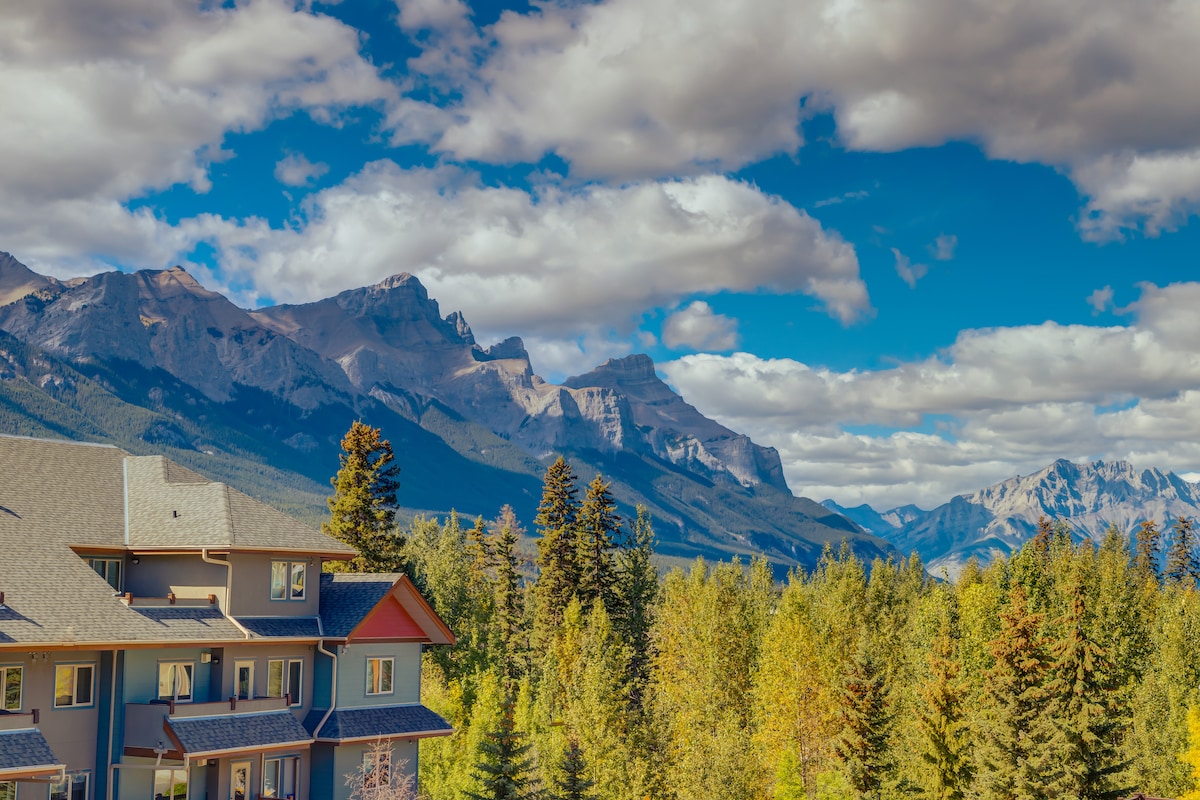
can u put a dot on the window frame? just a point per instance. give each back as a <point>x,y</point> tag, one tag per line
<point>379,692</point>
<point>8,790</point>
<point>75,666</point>
<point>238,664</point>
<point>68,782</point>
<point>281,762</point>
<point>5,669</point>
<point>368,767</point>
<point>191,665</point>
<point>285,679</point>
<point>288,587</point>
<point>233,769</point>
<point>109,562</point>
<point>172,772</point>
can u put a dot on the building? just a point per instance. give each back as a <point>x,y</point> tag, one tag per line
<point>166,636</point>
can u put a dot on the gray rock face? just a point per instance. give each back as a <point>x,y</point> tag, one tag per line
<point>999,519</point>
<point>165,319</point>
<point>17,280</point>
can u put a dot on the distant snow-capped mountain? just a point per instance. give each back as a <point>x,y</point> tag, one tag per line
<point>998,519</point>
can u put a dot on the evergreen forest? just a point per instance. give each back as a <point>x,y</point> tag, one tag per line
<point>1067,670</point>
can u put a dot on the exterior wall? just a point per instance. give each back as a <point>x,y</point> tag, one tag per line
<point>352,674</point>
<point>260,654</point>
<point>141,673</point>
<point>347,759</point>
<point>251,595</point>
<point>218,773</point>
<point>184,575</point>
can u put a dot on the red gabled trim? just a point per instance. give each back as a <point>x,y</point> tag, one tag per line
<point>403,614</point>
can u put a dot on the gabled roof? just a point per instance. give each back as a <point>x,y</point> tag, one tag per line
<point>55,496</point>
<point>378,608</point>
<point>212,736</point>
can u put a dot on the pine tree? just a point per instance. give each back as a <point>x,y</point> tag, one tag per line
<point>558,549</point>
<point>574,783</point>
<point>943,726</point>
<point>362,508</point>
<point>862,744</point>
<point>1088,721</point>
<point>1149,545</point>
<point>504,770</point>
<point>598,526</point>
<point>1011,743</point>
<point>637,591</point>
<point>1182,566</point>
<point>509,604</point>
<point>1042,538</point>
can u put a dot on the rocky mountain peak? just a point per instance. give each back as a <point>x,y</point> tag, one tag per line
<point>18,280</point>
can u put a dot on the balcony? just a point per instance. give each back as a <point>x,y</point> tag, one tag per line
<point>10,721</point>
<point>171,600</point>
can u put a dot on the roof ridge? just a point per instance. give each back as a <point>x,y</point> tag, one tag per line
<point>61,441</point>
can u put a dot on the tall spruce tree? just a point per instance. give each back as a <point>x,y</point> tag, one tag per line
<point>573,784</point>
<point>598,527</point>
<point>1182,565</point>
<point>1149,546</point>
<point>1011,742</point>
<point>505,769</point>
<point>510,599</point>
<point>862,745</point>
<point>943,725</point>
<point>362,509</point>
<point>558,549</point>
<point>1087,719</point>
<point>637,591</point>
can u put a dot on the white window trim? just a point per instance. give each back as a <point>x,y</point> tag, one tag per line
<point>4,668</point>
<point>174,663</point>
<point>74,667</point>
<point>285,682</point>
<point>233,767</point>
<point>69,781</point>
<point>107,560</point>
<point>381,659</point>
<point>289,566</point>
<point>368,768</point>
<point>279,775</point>
<point>173,770</point>
<point>237,667</point>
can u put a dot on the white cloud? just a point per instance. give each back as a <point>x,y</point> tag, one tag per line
<point>559,263</point>
<point>696,326</point>
<point>107,100</point>
<point>996,403</point>
<point>1102,89</point>
<point>943,247</point>
<point>909,272</point>
<point>1100,300</point>
<point>295,169</point>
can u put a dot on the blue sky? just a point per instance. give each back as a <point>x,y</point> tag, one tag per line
<point>918,247</point>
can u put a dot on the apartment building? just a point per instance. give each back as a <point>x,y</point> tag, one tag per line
<point>166,637</point>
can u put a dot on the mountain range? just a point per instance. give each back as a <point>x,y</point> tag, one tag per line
<point>996,520</point>
<point>154,362</point>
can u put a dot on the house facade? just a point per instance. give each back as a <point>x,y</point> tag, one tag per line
<point>165,637</point>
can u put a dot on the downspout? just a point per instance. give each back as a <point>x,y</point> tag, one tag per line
<point>332,687</point>
<point>228,587</point>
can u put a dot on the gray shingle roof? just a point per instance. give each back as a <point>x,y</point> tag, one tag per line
<point>290,627</point>
<point>55,495</point>
<point>237,731</point>
<point>25,749</point>
<point>347,597</point>
<point>376,721</point>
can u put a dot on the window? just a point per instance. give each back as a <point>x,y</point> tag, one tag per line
<point>170,784</point>
<point>74,786</point>
<point>109,569</point>
<point>8,790</point>
<point>287,579</point>
<point>175,680</point>
<point>244,676</point>
<point>73,685</point>
<point>10,691</point>
<point>379,675</point>
<point>286,676</point>
<point>377,773</point>
<point>239,780</point>
<point>279,777</point>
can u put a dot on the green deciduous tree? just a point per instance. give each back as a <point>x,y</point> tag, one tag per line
<point>362,509</point>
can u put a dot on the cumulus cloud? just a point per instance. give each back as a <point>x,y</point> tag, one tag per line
<point>1100,300</point>
<point>555,263</point>
<point>1102,89</point>
<point>997,402</point>
<point>697,326</point>
<point>943,247</point>
<point>107,100</point>
<point>296,170</point>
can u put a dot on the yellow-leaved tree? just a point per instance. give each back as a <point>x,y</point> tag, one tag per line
<point>1191,756</point>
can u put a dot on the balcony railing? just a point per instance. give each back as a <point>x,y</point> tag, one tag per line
<point>144,721</point>
<point>170,600</point>
<point>230,706</point>
<point>10,721</point>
